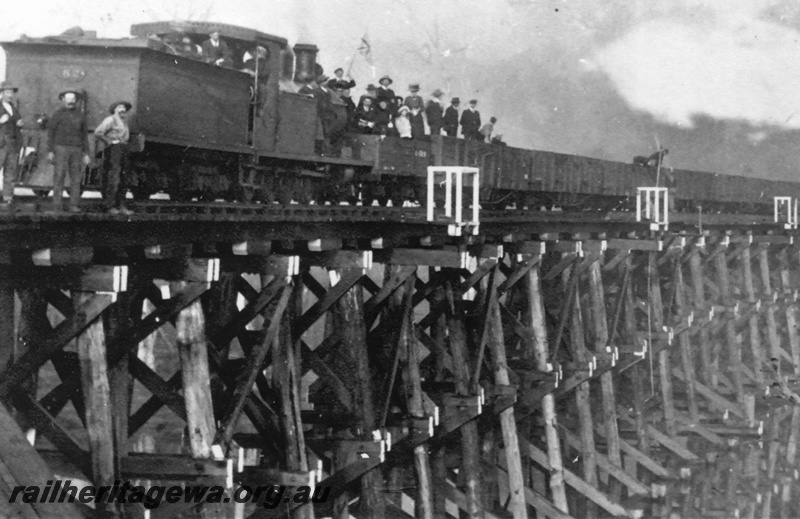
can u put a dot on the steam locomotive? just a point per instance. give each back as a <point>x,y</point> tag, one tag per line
<point>214,132</point>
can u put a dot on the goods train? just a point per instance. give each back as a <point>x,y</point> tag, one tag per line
<point>214,132</point>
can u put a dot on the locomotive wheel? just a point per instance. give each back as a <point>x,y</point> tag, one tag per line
<point>369,193</point>
<point>140,193</point>
<point>305,191</point>
<point>178,195</point>
<point>246,194</point>
<point>394,192</point>
<point>285,192</point>
<point>266,195</point>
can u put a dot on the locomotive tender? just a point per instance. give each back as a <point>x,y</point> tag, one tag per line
<point>214,132</point>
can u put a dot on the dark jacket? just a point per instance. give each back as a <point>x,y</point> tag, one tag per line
<point>417,125</point>
<point>211,54</point>
<point>414,101</point>
<point>350,106</point>
<point>434,113</point>
<point>383,118</point>
<point>325,111</point>
<point>470,123</point>
<point>335,83</point>
<point>384,93</point>
<point>67,128</point>
<point>362,119</point>
<point>9,131</point>
<point>451,121</point>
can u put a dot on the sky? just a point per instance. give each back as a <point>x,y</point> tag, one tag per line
<point>715,81</point>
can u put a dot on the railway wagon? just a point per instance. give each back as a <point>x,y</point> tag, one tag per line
<point>210,131</point>
<point>533,178</point>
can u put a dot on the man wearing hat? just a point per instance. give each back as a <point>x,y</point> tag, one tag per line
<point>383,91</point>
<point>451,118</point>
<point>114,132</point>
<point>415,103</point>
<point>434,111</point>
<point>68,145</point>
<point>216,51</point>
<point>10,140</point>
<point>471,122</point>
<point>326,116</point>
<point>339,82</point>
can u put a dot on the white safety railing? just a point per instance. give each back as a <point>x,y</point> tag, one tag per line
<point>453,182</point>
<point>655,202</point>
<point>790,211</point>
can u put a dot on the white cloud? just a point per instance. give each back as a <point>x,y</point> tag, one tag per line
<point>729,65</point>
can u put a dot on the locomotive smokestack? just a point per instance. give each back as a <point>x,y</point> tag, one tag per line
<point>287,64</point>
<point>305,62</point>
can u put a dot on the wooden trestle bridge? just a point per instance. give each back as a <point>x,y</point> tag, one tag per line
<point>554,365</point>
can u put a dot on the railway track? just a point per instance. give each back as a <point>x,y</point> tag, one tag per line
<point>34,210</point>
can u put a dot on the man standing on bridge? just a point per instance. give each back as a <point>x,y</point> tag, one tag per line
<point>114,132</point>
<point>68,145</point>
<point>10,140</point>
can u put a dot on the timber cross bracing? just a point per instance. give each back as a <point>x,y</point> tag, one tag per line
<point>520,373</point>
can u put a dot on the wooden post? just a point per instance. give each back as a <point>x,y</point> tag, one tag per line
<point>772,326</point>
<point>687,359</point>
<point>439,326</point>
<point>664,356</point>
<point>286,373</point>
<point>539,346</point>
<point>7,316</point>
<point>439,337</point>
<point>755,333</point>
<point>598,302</point>
<point>470,445</point>
<point>791,310</point>
<point>517,505</point>
<point>423,503</point>
<point>706,368</point>
<point>116,322</point>
<point>219,303</point>
<point>638,373</point>
<point>583,402</point>
<point>193,352</point>
<point>439,471</point>
<point>731,340</point>
<point>97,400</point>
<point>33,326</point>
<point>349,320</point>
<point>390,347</point>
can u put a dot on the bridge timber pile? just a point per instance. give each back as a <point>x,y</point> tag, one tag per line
<point>553,365</point>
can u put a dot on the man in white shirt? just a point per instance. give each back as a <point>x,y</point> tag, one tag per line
<point>10,140</point>
<point>114,132</point>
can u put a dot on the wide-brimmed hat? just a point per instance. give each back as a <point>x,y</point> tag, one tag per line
<point>387,78</point>
<point>437,93</point>
<point>371,87</point>
<point>68,91</point>
<point>8,85</point>
<point>114,106</point>
<point>414,87</point>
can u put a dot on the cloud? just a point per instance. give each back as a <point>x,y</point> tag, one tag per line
<point>728,65</point>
